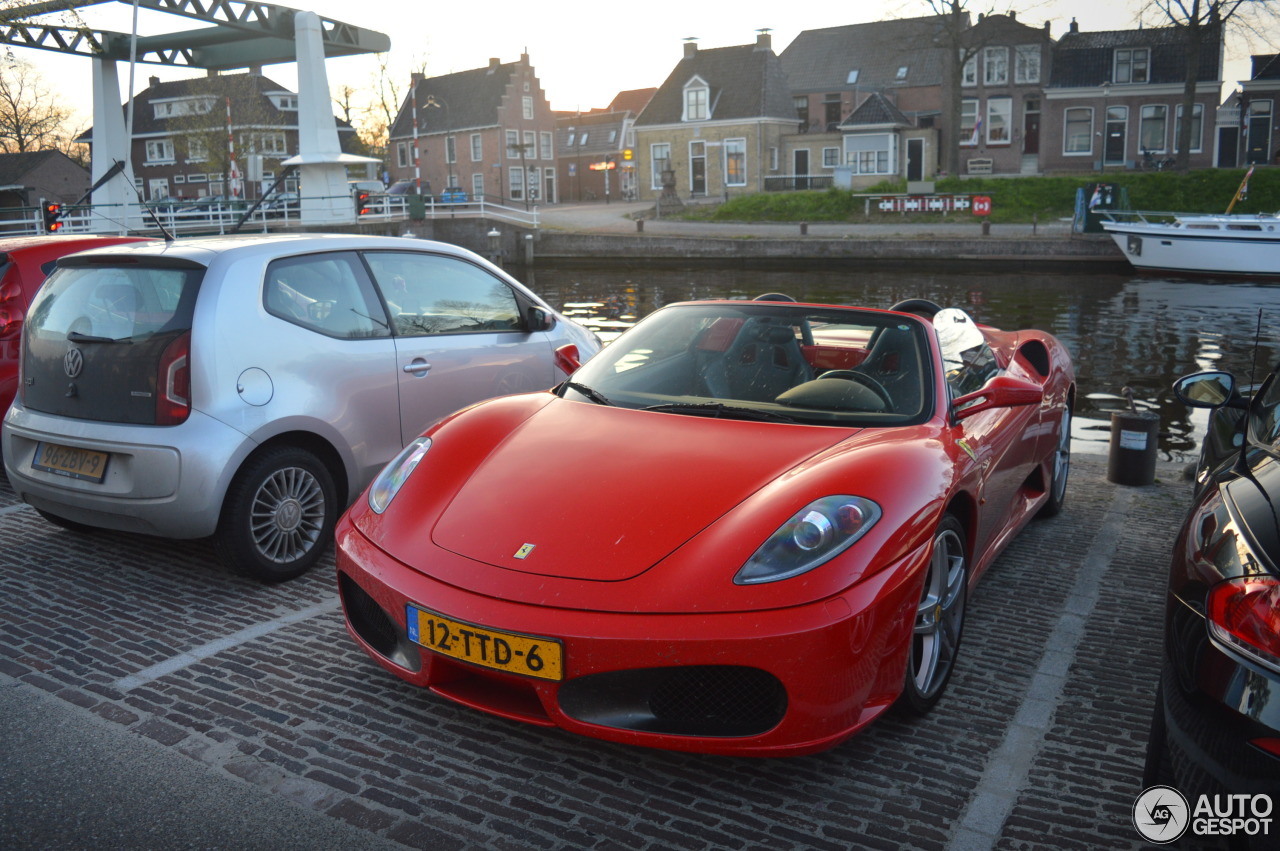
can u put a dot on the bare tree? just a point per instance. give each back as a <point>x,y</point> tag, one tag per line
<point>1200,21</point>
<point>31,116</point>
<point>959,45</point>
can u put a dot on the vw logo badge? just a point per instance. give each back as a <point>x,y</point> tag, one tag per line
<point>73,362</point>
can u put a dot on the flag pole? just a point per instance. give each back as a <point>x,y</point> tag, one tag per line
<point>1241,190</point>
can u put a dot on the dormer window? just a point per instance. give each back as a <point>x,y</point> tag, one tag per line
<point>697,96</point>
<point>902,73</point>
<point>285,102</point>
<point>853,77</point>
<point>1132,65</point>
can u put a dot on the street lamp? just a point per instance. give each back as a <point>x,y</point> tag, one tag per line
<point>450,155</point>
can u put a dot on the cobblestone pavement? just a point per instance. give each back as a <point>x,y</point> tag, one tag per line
<point>1038,743</point>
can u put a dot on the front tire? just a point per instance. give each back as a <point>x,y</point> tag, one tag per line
<point>1060,470</point>
<point>939,621</point>
<point>278,516</point>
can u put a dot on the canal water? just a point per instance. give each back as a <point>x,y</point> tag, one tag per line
<point>1128,336</point>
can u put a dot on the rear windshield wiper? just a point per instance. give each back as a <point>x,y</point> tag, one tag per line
<point>590,392</point>
<point>77,337</point>
<point>717,409</point>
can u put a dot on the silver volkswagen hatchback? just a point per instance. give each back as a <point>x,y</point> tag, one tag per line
<point>248,388</point>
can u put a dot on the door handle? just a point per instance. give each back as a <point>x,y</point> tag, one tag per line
<point>417,367</point>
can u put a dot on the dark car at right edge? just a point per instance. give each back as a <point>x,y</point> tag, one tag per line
<point>1216,728</point>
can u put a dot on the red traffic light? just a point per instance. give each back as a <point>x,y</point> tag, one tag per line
<point>362,203</point>
<point>52,214</point>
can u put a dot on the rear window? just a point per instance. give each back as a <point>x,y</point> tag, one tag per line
<point>114,303</point>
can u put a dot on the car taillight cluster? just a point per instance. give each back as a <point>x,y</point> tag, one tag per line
<point>173,384</point>
<point>11,309</point>
<point>1244,613</point>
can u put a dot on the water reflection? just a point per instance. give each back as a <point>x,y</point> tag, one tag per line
<point>1122,332</point>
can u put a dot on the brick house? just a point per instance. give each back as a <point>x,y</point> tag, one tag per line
<point>1257,140</point>
<point>716,123</point>
<point>587,140</point>
<point>27,178</point>
<point>834,71</point>
<point>1002,95</point>
<point>488,130</point>
<point>182,134</point>
<point>1111,96</point>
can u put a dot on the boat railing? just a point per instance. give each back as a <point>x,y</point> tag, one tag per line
<point>1140,217</point>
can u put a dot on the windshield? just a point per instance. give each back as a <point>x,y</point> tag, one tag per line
<point>767,360</point>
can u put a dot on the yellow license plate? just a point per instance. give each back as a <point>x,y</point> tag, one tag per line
<point>528,655</point>
<point>70,461</point>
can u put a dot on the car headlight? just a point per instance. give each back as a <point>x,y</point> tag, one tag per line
<point>814,535</point>
<point>395,474</point>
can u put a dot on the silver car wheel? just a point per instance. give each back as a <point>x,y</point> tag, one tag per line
<point>288,515</point>
<point>940,615</point>
<point>1062,458</point>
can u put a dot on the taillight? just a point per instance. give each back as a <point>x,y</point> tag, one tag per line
<point>173,384</point>
<point>12,309</point>
<point>1245,614</point>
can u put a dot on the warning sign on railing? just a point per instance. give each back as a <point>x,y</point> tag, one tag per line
<point>923,203</point>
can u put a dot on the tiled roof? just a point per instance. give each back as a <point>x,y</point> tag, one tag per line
<point>597,126</point>
<point>632,101</point>
<point>746,82</point>
<point>1266,67</point>
<point>14,168</point>
<point>822,60</point>
<point>875,111</point>
<point>1086,58</point>
<point>473,98</point>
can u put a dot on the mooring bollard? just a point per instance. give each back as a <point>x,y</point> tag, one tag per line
<point>1134,439</point>
<point>986,227</point>
<point>639,225</point>
<point>804,228</point>
<point>528,249</point>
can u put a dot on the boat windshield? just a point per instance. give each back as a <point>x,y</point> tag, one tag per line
<point>767,361</point>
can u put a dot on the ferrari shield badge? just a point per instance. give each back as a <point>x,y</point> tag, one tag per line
<point>524,551</point>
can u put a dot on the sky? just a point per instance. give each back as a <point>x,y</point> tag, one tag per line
<point>583,53</point>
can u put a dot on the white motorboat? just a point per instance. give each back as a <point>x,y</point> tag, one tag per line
<point>1188,243</point>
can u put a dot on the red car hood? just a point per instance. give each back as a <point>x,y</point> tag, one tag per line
<point>590,492</point>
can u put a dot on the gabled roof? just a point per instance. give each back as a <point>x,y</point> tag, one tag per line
<point>1265,67</point>
<point>14,168</point>
<point>745,82</point>
<point>472,99</point>
<point>597,126</point>
<point>875,111</point>
<point>633,101</point>
<point>1087,58</point>
<point>822,60</point>
<point>236,86</point>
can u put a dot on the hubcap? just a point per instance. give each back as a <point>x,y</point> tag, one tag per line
<point>939,616</point>
<point>1062,458</point>
<point>287,515</point>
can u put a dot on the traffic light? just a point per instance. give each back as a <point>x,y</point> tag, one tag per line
<point>362,202</point>
<point>52,213</point>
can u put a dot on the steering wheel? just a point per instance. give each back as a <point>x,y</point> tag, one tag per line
<point>863,379</point>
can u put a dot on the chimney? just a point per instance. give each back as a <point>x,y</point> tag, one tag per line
<point>690,47</point>
<point>1046,28</point>
<point>1013,16</point>
<point>1075,28</point>
<point>494,62</point>
<point>764,41</point>
<point>416,77</point>
<point>153,82</point>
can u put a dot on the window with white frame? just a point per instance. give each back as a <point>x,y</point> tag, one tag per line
<point>477,186</point>
<point>402,154</point>
<point>545,139</point>
<point>659,161</point>
<point>571,138</point>
<point>285,102</point>
<point>526,107</point>
<point>1026,67</point>
<point>1152,128</point>
<point>197,149</point>
<point>515,182</point>
<point>1132,65</point>
<point>450,149</point>
<point>582,140</point>
<point>969,73</point>
<point>830,157</point>
<point>513,144</point>
<point>995,66</point>
<point>870,154</point>
<point>159,150</point>
<point>735,162</point>
<point>530,144</point>
<point>696,100</point>
<point>969,121</point>
<point>773,159</point>
<point>158,187</point>
<point>999,121</point>
<point>1077,130</point>
<point>477,148</point>
<point>1197,115</point>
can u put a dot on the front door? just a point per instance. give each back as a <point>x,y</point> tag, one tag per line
<point>801,168</point>
<point>1117,134</point>
<point>698,168</point>
<point>915,159</point>
<point>1031,128</point>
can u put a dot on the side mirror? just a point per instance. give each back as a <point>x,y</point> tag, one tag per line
<point>1000,392</point>
<point>567,359</point>
<point>537,319</point>
<point>1205,389</point>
